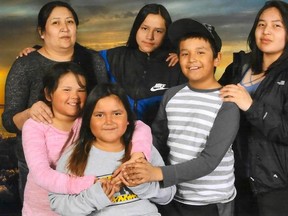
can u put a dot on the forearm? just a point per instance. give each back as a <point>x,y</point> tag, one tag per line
<point>90,200</point>
<point>142,139</point>
<point>153,192</point>
<point>152,189</point>
<point>219,141</point>
<point>20,118</point>
<point>34,137</point>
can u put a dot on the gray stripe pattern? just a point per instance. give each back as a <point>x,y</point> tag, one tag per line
<point>191,116</point>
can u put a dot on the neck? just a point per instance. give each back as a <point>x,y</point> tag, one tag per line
<point>269,59</point>
<point>203,85</point>
<point>109,146</point>
<point>64,124</point>
<point>60,55</point>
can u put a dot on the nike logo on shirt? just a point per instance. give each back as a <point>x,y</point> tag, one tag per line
<point>158,87</point>
<point>282,82</point>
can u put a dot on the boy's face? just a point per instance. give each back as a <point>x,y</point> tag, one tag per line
<point>197,62</point>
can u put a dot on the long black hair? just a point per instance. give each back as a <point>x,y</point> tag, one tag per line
<point>256,53</point>
<point>141,16</point>
<point>79,157</point>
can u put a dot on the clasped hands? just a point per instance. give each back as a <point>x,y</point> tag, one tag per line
<point>131,174</point>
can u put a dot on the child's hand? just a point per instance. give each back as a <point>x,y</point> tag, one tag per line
<point>134,157</point>
<point>141,172</point>
<point>26,51</point>
<point>118,178</point>
<point>109,188</point>
<point>172,59</point>
<point>41,112</point>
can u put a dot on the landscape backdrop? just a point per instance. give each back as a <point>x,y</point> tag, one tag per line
<point>106,24</point>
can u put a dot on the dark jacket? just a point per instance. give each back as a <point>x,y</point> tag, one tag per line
<point>144,77</point>
<point>264,126</point>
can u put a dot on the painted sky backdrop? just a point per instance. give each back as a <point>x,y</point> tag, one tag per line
<point>106,23</point>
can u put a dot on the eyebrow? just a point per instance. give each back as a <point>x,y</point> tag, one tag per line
<point>272,20</point>
<point>146,25</point>
<point>197,48</point>
<point>57,18</point>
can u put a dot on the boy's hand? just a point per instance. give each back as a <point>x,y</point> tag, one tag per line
<point>134,157</point>
<point>141,172</point>
<point>118,177</point>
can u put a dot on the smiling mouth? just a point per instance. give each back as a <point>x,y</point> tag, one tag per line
<point>193,68</point>
<point>75,104</point>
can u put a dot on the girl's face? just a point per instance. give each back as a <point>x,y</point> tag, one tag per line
<point>109,122</point>
<point>270,33</point>
<point>69,97</point>
<point>60,29</point>
<point>151,33</point>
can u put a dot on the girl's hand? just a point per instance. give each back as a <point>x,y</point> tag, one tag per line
<point>172,59</point>
<point>109,188</point>
<point>26,51</point>
<point>41,112</point>
<point>237,94</point>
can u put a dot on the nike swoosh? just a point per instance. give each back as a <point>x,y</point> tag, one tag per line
<point>153,89</point>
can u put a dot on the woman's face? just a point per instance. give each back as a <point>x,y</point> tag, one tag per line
<point>151,33</point>
<point>270,33</point>
<point>109,122</point>
<point>60,29</point>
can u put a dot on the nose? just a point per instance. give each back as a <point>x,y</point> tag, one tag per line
<point>75,95</point>
<point>267,29</point>
<point>150,35</point>
<point>192,58</point>
<point>64,27</point>
<point>108,119</point>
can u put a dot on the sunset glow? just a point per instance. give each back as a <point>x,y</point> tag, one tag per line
<point>106,24</point>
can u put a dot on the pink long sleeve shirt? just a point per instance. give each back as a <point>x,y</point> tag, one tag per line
<point>42,146</point>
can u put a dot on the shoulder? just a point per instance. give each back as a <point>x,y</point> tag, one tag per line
<point>33,58</point>
<point>118,49</point>
<point>230,106</point>
<point>230,110</point>
<point>171,92</point>
<point>31,124</point>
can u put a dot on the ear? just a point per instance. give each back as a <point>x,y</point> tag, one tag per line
<point>217,60</point>
<point>47,95</point>
<point>40,33</point>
